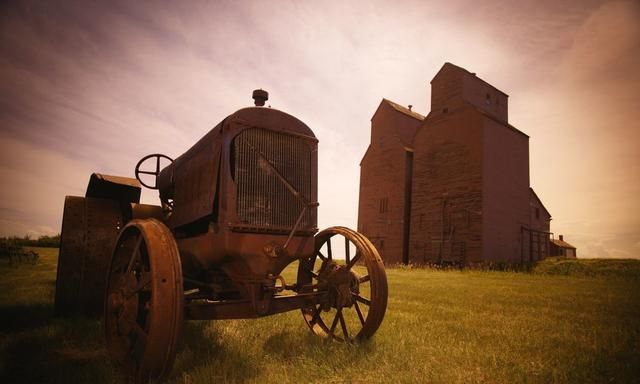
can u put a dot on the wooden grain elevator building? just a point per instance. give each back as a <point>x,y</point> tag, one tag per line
<point>451,187</point>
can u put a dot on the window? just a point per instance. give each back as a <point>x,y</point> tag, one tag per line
<point>488,99</point>
<point>384,205</point>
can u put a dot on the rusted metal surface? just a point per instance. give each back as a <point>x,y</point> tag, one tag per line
<point>356,298</point>
<point>144,300</point>
<point>89,229</point>
<point>90,226</point>
<point>242,309</point>
<point>123,189</point>
<point>259,97</point>
<point>235,210</point>
<point>144,211</point>
<point>191,181</point>
<point>271,172</point>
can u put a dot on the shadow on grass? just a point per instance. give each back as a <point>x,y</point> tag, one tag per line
<point>289,347</point>
<point>16,318</point>
<point>36,348</point>
<point>42,359</point>
<point>203,356</point>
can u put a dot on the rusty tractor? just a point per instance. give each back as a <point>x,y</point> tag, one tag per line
<point>235,210</point>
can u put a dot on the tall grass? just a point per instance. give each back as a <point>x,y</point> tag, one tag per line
<point>618,268</point>
<point>441,327</point>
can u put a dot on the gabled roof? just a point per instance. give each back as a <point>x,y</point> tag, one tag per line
<point>365,155</point>
<point>404,136</point>
<point>448,66</point>
<point>562,243</point>
<point>483,113</point>
<point>404,110</point>
<point>506,124</point>
<point>533,193</point>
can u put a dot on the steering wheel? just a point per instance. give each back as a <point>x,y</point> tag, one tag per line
<point>156,172</point>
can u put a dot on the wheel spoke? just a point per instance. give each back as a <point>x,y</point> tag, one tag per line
<point>335,322</point>
<point>141,339</point>
<point>136,254</point>
<point>140,333</point>
<point>343,325</point>
<point>148,172</point>
<point>145,280</point>
<point>362,300</point>
<point>329,249</point>
<point>354,260</point>
<point>364,279</point>
<point>322,257</point>
<point>347,251</point>
<point>355,304</point>
<point>316,315</point>
<point>120,266</point>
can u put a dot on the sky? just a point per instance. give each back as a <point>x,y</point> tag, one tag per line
<point>89,86</point>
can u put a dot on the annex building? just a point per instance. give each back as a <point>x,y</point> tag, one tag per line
<point>452,186</point>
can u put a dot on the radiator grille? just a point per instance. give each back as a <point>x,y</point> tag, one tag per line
<point>263,200</point>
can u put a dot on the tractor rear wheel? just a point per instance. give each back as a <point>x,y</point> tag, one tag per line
<point>143,311</point>
<point>89,230</point>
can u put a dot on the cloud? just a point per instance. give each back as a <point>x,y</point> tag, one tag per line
<point>581,121</point>
<point>22,228</point>
<point>94,87</point>
<point>607,45</point>
<point>36,181</point>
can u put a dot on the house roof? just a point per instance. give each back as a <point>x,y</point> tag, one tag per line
<point>562,244</point>
<point>404,110</point>
<point>448,66</point>
<point>540,201</point>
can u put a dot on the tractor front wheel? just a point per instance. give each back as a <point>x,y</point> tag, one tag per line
<point>349,270</point>
<point>144,300</point>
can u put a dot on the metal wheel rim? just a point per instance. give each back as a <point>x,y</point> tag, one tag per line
<point>352,323</point>
<point>144,301</point>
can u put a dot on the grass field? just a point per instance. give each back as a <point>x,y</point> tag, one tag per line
<point>567,322</point>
